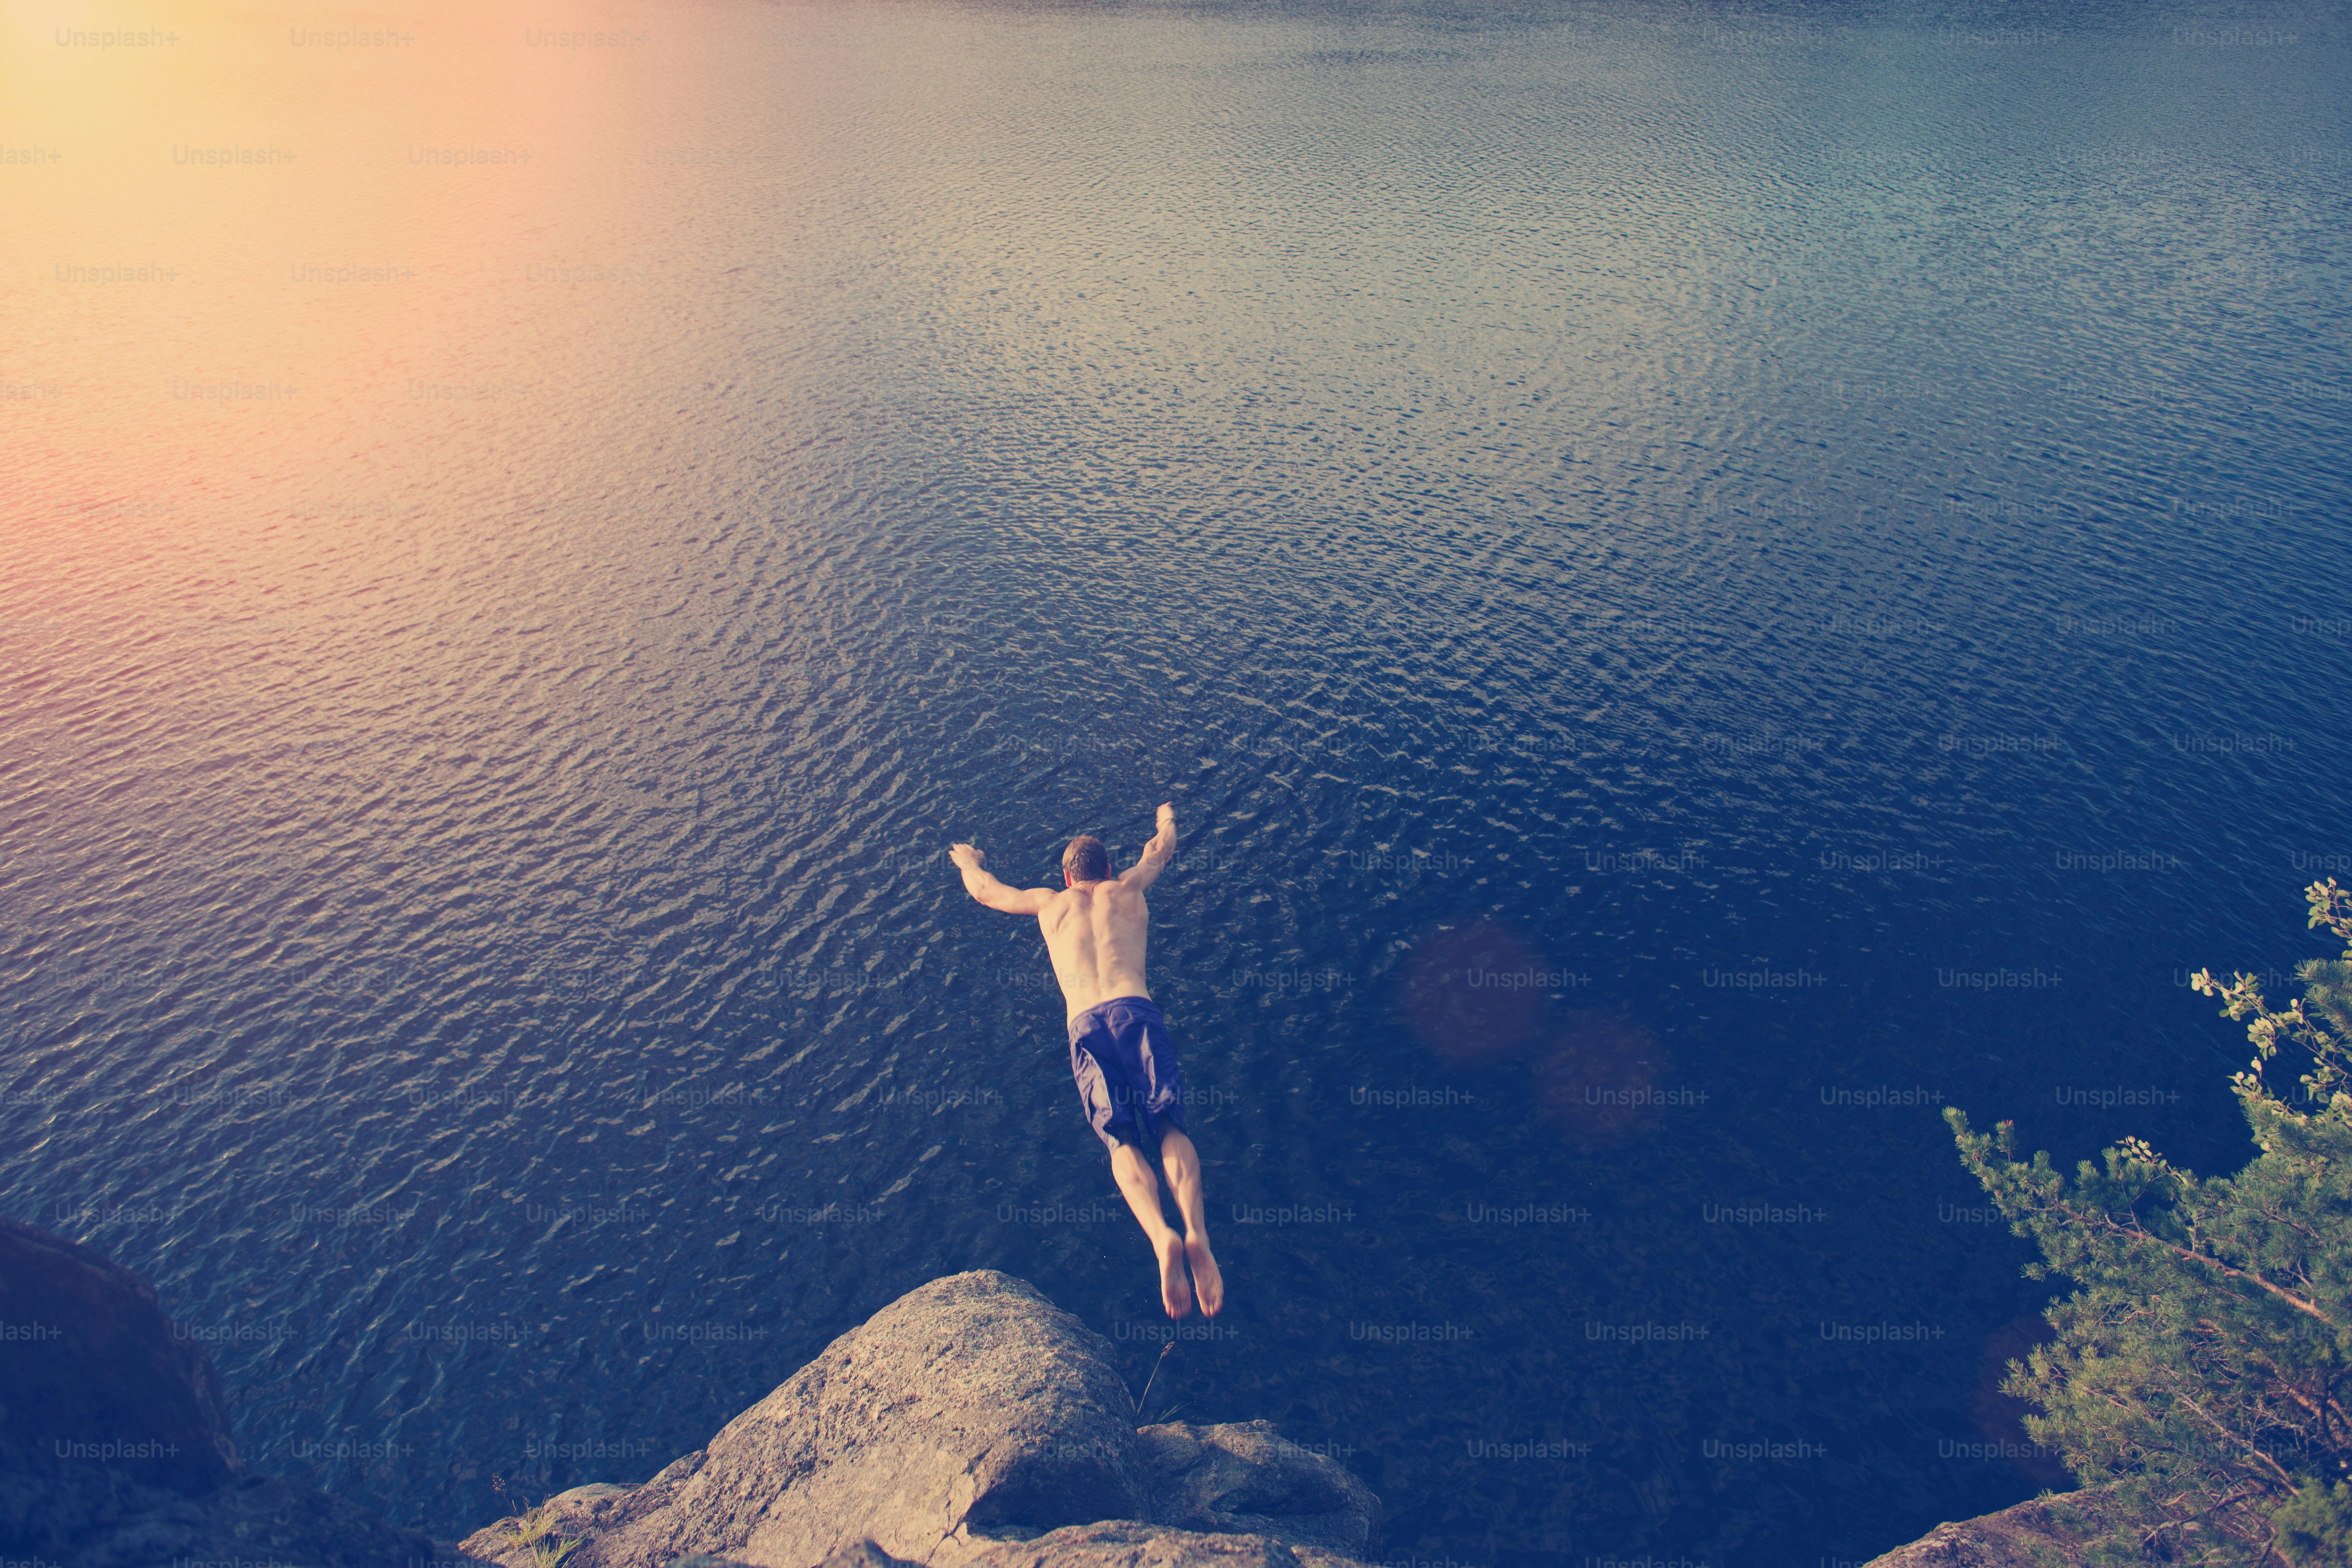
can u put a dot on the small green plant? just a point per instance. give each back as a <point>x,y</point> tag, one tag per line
<point>533,1526</point>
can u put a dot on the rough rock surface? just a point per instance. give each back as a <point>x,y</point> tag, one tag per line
<point>1245,1479</point>
<point>969,1419</point>
<point>1112,1544</point>
<point>1128,1544</point>
<point>2033,1534</point>
<point>114,1437</point>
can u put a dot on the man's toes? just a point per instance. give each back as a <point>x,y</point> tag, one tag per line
<point>1206,1276</point>
<point>1174,1293</point>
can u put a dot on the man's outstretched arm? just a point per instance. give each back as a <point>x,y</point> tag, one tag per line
<point>1146,871</point>
<point>984,887</point>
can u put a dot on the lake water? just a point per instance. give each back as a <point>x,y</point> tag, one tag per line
<point>1705,581</point>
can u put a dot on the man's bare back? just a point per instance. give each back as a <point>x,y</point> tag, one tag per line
<point>1097,931</point>
<point>1096,934</point>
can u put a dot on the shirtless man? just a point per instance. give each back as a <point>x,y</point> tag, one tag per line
<point>1095,929</point>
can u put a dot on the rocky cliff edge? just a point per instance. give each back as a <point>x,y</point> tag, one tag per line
<point>971,1424</point>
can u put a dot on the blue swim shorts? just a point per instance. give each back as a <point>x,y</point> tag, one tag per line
<point>1126,1073</point>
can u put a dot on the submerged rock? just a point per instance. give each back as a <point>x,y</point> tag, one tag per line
<point>970,1421</point>
<point>103,1409</point>
<point>114,1437</point>
<point>259,1520</point>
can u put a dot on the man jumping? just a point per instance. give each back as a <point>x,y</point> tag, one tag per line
<point>1095,929</point>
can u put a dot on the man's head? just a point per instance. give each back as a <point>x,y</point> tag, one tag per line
<point>1086,860</point>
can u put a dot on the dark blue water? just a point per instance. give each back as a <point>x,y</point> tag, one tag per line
<point>1705,582</point>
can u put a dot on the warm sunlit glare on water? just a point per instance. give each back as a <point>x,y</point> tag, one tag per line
<point>269,267</point>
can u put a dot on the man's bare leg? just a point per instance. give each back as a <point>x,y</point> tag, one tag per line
<point>1183,1163</point>
<point>1141,1190</point>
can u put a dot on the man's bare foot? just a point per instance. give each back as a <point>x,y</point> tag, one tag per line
<point>1174,1294</point>
<point>1212,1283</point>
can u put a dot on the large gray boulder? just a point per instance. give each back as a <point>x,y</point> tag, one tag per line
<point>970,1421</point>
<point>967,1409</point>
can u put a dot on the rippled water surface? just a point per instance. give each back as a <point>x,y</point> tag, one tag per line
<point>1705,582</point>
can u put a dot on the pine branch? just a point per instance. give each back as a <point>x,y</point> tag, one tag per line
<point>2138,1233</point>
<point>2222,1428</point>
<point>2309,1233</point>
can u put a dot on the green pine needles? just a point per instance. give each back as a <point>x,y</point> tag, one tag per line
<point>2203,1366</point>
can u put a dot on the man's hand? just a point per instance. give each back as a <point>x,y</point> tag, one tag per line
<point>1146,871</point>
<point>981,885</point>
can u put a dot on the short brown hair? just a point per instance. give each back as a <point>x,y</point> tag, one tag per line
<point>1086,860</point>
